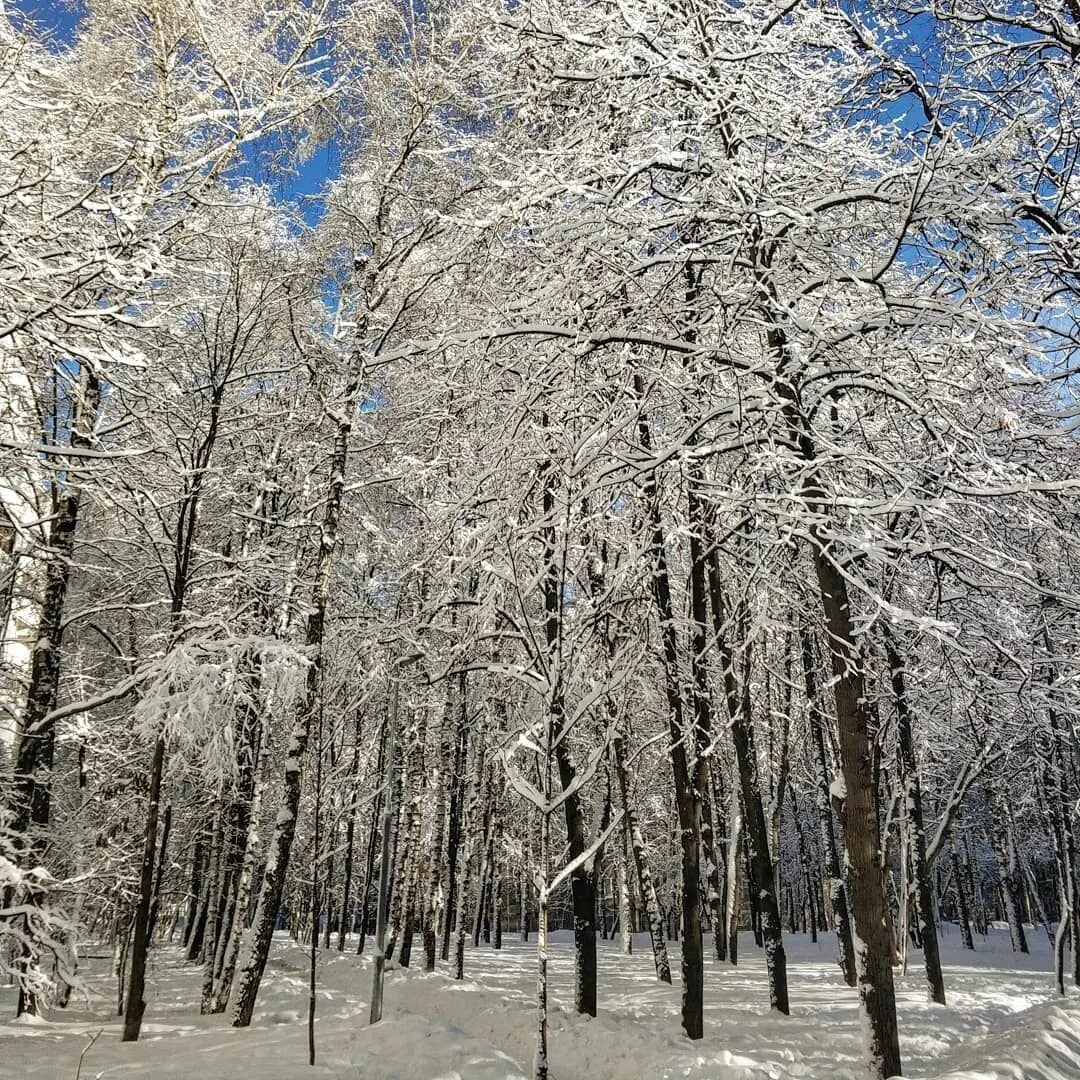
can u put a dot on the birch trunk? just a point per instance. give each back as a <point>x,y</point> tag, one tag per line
<point>734,876</point>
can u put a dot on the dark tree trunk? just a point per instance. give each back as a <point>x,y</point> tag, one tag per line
<point>408,922</point>
<point>497,909</point>
<point>218,887</point>
<point>485,869</point>
<point>35,748</point>
<point>763,897</point>
<point>913,809</point>
<point>1061,792</point>
<point>720,806</point>
<point>386,860</point>
<point>345,910</point>
<point>687,795</point>
<point>523,904</point>
<point>198,933</point>
<point>463,884</point>
<point>702,704</point>
<point>453,827</point>
<point>877,995</point>
<point>136,1003</point>
<point>762,882</point>
<point>405,902</point>
<point>238,862</point>
<point>1057,813</point>
<point>166,828</point>
<point>861,834</point>
<point>436,860</point>
<point>406,853</point>
<point>838,899</point>
<point>641,863</point>
<point>194,892</point>
<point>373,839</point>
<point>582,879</point>
<point>804,863</point>
<point>183,549</point>
<point>325,899</point>
<point>961,898</point>
<point>582,888</point>
<point>975,890</point>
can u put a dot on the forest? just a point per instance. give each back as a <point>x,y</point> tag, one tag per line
<point>539,539</point>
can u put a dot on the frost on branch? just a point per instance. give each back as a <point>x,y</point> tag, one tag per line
<point>38,932</point>
<point>193,692</point>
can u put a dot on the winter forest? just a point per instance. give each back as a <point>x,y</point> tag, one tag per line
<point>539,539</point>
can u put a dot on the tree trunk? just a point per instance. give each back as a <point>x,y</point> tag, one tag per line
<point>762,878</point>
<point>804,863</point>
<point>1008,870</point>
<point>626,924</point>
<point>35,748</point>
<point>408,919</point>
<point>913,810</point>
<point>734,876</point>
<point>961,898</point>
<point>280,848</point>
<point>497,891</point>
<point>198,932</point>
<point>838,896</point>
<point>218,887</point>
<point>194,891</point>
<point>582,878</point>
<point>861,834</point>
<point>1061,797</point>
<point>877,995</point>
<point>701,700</point>
<point>687,795</point>
<point>582,884</point>
<point>457,800</point>
<point>345,910</point>
<point>485,867</point>
<point>166,828</point>
<point>523,903</point>
<point>540,1057</point>
<point>373,834</point>
<point>436,861</point>
<point>385,862</point>
<point>720,806</point>
<point>463,885</point>
<point>136,1003</point>
<point>399,863</point>
<point>31,794</point>
<point>326,891</point>
<point>243,889</point>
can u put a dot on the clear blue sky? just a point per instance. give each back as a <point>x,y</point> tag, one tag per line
<point>59,18</point>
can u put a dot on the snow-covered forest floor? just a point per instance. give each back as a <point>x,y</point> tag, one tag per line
<point>1003,1020</point>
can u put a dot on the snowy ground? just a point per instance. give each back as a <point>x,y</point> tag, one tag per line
<point>1003,1021</point>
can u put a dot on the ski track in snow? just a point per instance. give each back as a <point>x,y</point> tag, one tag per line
<point>1003,1021</point>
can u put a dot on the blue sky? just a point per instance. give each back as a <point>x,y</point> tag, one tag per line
<point>58,17</point>
<point>58,20</point>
